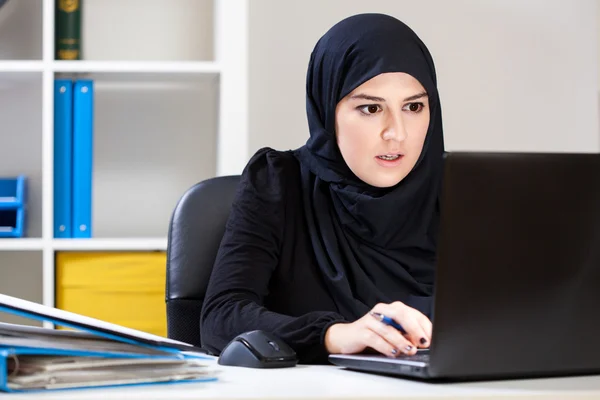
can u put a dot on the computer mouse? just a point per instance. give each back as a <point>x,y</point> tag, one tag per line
<point>258,349</point>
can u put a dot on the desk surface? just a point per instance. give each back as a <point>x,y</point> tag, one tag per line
<point>330,382</point>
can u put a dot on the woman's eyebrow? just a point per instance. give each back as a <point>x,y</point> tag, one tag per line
<point>367,97</point>
<point>364,96</point>
<point>416,96</point>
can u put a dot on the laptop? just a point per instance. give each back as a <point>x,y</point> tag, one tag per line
<point>517,290</point>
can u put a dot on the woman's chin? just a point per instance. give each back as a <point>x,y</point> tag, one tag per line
<point>382,181</point>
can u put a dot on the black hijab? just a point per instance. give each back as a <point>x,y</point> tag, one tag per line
<point>371,244</point>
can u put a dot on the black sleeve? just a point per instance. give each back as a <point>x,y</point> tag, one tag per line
<point>247,257</point>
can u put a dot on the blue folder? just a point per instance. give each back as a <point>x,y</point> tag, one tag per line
<point>63,156</point>
<point>83,143</point>
<point>94,354</point>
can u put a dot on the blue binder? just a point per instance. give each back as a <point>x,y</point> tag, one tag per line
<point>107,345</point>
<point>63,156</point>
<point>83,141</point>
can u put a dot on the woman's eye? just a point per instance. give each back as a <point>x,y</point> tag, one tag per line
<point>369,109</point>
<point>414,107</point>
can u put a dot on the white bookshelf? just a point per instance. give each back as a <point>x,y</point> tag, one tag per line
<point>7,66</point>
<point>170,110</point>
<point>139,67</point>
<point>21,245</point>
<point>111,244</point>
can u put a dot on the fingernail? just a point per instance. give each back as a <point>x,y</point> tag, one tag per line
<point>423,340</point>
<point>408,348</point>
<point>394,351</point>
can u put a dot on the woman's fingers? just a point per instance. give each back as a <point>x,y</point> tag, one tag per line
<point>409,319</point>
<point>378,343</point>
<point>426,325</point>
<point>410,322</point>
<point>392,336</point>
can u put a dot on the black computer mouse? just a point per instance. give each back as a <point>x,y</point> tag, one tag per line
<point>258,349</point>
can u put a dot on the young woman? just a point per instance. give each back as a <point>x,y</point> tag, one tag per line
<point>322,237</point>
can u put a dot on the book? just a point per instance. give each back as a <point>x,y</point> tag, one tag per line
<point>92,354</point>
<point>67,31</point>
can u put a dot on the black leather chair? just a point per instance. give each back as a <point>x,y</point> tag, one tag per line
<point>195,231</point>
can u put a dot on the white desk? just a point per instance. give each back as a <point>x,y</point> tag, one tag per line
<point>330,382</point>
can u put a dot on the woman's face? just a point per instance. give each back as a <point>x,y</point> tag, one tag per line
<point>381,127</point>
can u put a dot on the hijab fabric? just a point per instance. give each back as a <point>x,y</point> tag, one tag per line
<point>371,244</point>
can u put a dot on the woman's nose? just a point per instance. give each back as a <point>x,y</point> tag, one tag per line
<point>395,129</point>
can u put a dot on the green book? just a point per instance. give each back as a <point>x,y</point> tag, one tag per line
<point>67,29</point>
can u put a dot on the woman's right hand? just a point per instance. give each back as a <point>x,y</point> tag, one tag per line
<point>368,331</point>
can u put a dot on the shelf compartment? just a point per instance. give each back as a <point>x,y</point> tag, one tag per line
<point>134,30</point>
<point>21,150</point>
<point>21,30</point>
<point>149,148</point>
<point>17,80</point>
<point>21,275</point>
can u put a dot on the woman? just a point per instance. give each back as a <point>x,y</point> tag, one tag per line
<point>322,237</point>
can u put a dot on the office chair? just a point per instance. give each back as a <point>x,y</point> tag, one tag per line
<point>195,231</point>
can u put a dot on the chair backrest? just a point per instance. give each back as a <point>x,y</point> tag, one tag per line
<point>195,231</point>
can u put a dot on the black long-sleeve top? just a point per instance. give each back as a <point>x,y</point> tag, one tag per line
<point>265,275</point>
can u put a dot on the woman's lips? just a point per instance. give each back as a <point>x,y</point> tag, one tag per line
<point>389,162</point>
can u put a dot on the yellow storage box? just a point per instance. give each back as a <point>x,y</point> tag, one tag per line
<point>125,288</point>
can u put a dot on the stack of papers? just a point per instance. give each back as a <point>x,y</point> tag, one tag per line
<point>26,372</point>
<point>99,354</point>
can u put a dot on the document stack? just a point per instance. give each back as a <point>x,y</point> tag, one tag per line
<point>91,354</point>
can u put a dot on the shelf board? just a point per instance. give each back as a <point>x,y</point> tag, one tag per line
<point>21,66</point>
<point>137,67</point>
<point>110,244</point>
<point>21,244</point>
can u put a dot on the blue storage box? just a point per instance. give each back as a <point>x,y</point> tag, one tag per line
<point>13,205</point>
<point>13,192</point>
<point>12,223</point>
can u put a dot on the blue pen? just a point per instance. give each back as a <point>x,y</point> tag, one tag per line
<point>388,321</point>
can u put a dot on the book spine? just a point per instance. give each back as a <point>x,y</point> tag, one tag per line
<point>67,44</point>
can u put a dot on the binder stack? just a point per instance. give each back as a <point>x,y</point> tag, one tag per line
<point>92,354</point>
<point>13,206</point>
<point>73,157</point>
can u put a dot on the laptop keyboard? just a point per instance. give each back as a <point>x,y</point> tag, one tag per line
<point>421,356</point>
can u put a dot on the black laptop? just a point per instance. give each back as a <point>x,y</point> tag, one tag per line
<point>517,291</point>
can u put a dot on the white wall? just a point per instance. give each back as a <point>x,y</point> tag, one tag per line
<point>516,75</point>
